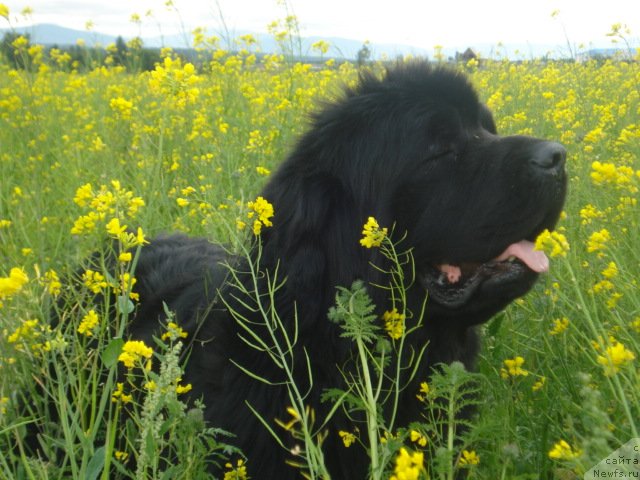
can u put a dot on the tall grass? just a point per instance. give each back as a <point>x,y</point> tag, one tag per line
<point>180,149</point>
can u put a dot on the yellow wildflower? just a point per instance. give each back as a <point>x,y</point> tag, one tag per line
<point>174,332</point>
<point>134,351</point>
<point>4,11</point>
<point>261,211</point>
<point>52,282</point>
<point>373,235</point>
<point>559,326</point>
<point>114,228</point>
<point>180,389</point>
<point>125,257</point>
<point>417,437</point>
<point>150,385</point>
<point>598,241</point>
<point>347,438</point>
<point>94,281</point>
<point>539,384</point>
<point>119,395</point>
<point>394,323</point>
<point>120,455</point>
<point>239,472</point>
<point>553,243</point>
<point>513,368</point>
<point>563,451</point>
<point>88,323</point>
<point>469,458</point>
<point>408,466</point>
<point>424,391</point>
<point>614,357</point>
<point>611,271</point>
<point>13,283</point>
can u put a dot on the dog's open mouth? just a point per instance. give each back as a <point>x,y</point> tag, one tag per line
<point>453,285</point>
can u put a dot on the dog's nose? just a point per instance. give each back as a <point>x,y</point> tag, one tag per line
<point>549,156</point>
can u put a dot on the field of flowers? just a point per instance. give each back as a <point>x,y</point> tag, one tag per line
<point>82,154</point>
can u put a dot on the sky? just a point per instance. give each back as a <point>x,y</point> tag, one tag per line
<point>423,24</point>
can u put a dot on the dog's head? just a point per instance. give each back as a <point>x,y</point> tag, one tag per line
<point>417,150</point>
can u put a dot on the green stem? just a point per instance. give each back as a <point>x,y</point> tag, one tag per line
<point>371,411</point>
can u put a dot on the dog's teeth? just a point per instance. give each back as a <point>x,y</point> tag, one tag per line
<point>512,258</point>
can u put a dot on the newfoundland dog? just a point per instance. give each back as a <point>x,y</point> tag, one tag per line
<point>417,151</point>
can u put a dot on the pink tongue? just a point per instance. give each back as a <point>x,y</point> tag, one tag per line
<point>523,250</point>
<point>536,260</point>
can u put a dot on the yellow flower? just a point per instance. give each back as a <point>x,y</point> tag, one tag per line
<point>611,271</point>
<point>29,330</point>
<point>553,243</point>
<point>115,229</point>
<point>150,385</point>
<point>125,257</point>
<point>121,106</point>
<point>347,438</point>
<point>88,323</point>
<point>4,11</point>
<point>513,368</point>
<point>539,384</point>
<point>598,241</point>
<point>174,332</point>
<point>52,282</point>
<point>239,472</point>
<point>417,437</point>
<point>615,357</point>
<point>408,466</point>
<point>424,391</point>
<point>261,211</point>
<point>13,283</point>
<point>563,451</point>
<point>94,281</point>
<point>469,458</point>
<point>134,351</point>
<point>180,389</point>
<point>394,323</point>
<point>559,326</point>
<point>83,195</point>
<point>373,235</point>
<point>119,395</point>
<point>120,455</point>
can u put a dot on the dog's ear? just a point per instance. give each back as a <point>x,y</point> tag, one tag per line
<point>314,238</point>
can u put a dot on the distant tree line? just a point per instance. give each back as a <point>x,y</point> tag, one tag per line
<point>17,51</point>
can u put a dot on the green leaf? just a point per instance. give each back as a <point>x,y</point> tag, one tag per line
<point>96,464</point>
<point>112,351</point>
<point>125,305</point>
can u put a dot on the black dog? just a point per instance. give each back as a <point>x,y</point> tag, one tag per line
<point>417,151</point>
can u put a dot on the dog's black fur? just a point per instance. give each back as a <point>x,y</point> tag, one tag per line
<point>416,150</point>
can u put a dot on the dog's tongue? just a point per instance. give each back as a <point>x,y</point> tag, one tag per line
<point>536,260</point>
